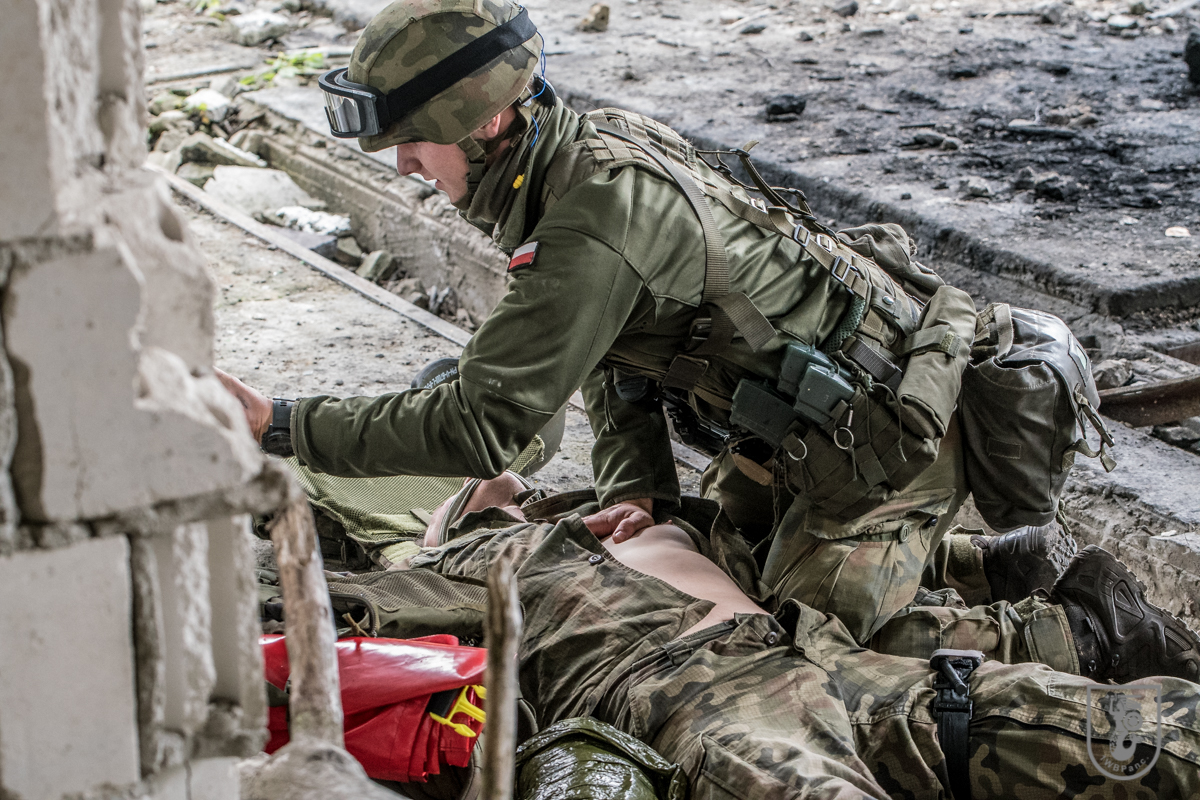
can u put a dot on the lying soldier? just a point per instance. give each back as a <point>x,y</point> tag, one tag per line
<point>652,636</point>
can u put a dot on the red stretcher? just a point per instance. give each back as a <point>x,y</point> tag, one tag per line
<point>409,705</point>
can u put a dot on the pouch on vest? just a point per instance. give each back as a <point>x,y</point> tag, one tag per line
<point>1028,400</point>
<point>887,438</point>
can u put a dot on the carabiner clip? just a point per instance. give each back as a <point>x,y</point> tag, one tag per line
<point>463,705</point>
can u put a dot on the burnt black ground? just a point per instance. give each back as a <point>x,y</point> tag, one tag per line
<point>1129,171</point>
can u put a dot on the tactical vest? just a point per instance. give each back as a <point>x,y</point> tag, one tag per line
<point>889,375</point>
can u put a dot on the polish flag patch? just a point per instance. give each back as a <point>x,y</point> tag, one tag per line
<point>523,256</point>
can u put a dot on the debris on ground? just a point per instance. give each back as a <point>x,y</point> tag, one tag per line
<point>306,219</point>
<point>257,27</point>
<point>208,104</point>
<point>596,20</point>
<point>377,266</point>
<point>846,9</point>
<point>348,251</point>
<point>204,149</point>
<point>258,192</point>
<point>1111,373</point>
<point>785,107</point>
<point>288,67</point>
<point>974,186</point>
<point>195,173</point>
<point>323,244</point>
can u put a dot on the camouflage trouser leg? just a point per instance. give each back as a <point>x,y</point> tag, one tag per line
<point>748,716</point>
<point>957,564</point>
<point>1029,729</point>
<point>1031,630</point>
<point>865,571</point>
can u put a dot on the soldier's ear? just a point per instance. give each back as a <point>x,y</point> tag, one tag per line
<point>492,128</point>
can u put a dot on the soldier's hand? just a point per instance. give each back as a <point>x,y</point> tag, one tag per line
<point>622,521</point>
<point>256,404</point>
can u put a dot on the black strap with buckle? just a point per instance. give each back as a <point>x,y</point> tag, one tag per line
<point>952,708</point>
<point>277,440</point>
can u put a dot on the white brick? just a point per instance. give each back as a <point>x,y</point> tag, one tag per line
<point>109,431</point>
<point>182,558</point>
<point>67,704</point>
<point>235,626</point>
<point>27,198</point>
<point>170,784</point>
<point>214,779</point>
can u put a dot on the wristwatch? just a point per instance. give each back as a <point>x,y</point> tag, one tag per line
<point>278,438</point>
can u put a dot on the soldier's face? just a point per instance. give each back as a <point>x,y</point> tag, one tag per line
<point>444,164</point>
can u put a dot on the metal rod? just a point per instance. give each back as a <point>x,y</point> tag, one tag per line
<point>1153,403</point>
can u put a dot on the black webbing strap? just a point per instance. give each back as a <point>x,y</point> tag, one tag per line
<point>730,312</point>
<point>952,708</point>
<point>877,365</point>
<point>459,64</point>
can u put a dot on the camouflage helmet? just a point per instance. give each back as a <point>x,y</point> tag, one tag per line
<point>409,37</point>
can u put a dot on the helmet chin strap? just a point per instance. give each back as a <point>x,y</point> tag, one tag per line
<point>478,153</point>
<point>476,161</point>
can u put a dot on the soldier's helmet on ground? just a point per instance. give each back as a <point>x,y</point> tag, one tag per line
<point>418,44</point>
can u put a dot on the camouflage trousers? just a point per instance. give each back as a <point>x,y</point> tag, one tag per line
<point>750,711</point>
<point>871,572</point>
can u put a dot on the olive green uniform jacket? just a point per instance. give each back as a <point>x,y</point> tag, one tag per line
<point>616,281</point>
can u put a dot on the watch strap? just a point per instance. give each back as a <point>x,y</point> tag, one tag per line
<point>277,440</point>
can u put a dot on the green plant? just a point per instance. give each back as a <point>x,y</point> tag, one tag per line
<point>290,64</point>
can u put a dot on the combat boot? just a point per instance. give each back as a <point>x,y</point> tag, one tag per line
<point>1119,635</point>
<point>1022,561</point>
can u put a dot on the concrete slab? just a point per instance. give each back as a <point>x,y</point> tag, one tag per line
<point>213,779</point>
<point>257,191</point>
<point>67,704</point>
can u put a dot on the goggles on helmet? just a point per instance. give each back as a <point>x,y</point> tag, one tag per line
<point>356,109</point>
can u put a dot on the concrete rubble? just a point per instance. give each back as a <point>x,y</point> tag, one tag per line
<point>259,192</point>
<point>202,148</point>
<point>306,220</point>
<point>257,26</point>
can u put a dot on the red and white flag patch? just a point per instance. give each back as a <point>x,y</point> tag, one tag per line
<point>523,256</point>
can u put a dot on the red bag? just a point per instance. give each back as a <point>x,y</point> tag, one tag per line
<point>386,687</point>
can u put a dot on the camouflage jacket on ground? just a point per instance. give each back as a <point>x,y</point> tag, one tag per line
<point>588,618</point>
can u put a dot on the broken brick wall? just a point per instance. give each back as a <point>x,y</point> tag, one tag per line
<point>129,663</point>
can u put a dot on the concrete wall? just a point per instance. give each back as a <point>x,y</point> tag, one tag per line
<point>129,663</point>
